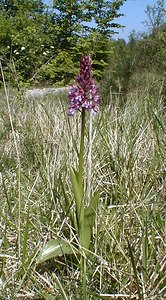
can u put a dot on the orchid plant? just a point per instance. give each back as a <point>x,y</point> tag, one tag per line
<point>83,96</point>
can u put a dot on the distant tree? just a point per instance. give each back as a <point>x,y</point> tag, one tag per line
<point>47,43</point>
<point>156,16</point>
<point>104,14</point>
<point>83,27</point>
<point>79,18</point>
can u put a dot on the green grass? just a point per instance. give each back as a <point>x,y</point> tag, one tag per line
<point>128,171</point>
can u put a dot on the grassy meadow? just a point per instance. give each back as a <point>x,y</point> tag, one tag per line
<point>124,161</point>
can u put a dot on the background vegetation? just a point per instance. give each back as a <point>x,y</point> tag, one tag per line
<point>127,258</point>
<point>59,35</point>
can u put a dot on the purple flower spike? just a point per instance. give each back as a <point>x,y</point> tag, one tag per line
<point>84,93</point>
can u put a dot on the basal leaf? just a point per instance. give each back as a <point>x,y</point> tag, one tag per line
<point>53,248</point>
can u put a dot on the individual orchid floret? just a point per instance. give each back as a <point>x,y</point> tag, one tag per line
<point>84,94</point>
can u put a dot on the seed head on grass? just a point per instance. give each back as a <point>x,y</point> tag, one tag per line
<point>84,94</point>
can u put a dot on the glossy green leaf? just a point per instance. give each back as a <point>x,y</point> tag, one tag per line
<point>89,219</point>
<point>91,209</point>
<point>78,197</point>
<point>53,248</point>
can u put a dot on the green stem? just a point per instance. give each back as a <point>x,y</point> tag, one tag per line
<point>81,154</point>
<point>85,297</point>
<point>80,183</point>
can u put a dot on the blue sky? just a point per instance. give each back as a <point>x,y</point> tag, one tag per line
<point>134,11</point>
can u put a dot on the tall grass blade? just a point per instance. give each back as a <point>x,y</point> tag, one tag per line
<point>25,238</point>
<point>135,270</point>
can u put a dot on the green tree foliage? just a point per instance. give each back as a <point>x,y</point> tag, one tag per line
<point>69,16</point>
<point>45,43</point>
<point>85,27</point>
<point>74,16</point>
<point>26,34</point>
<point>104,12</point>
<point>11,7</point>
